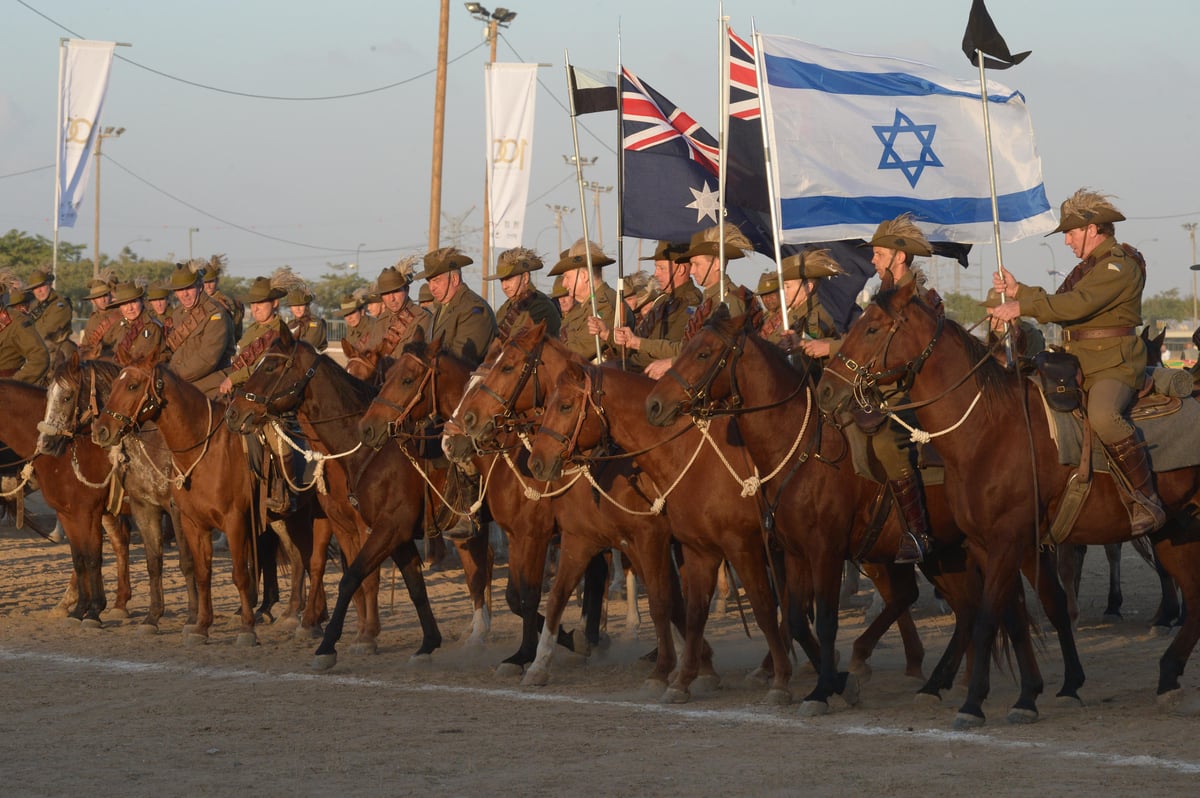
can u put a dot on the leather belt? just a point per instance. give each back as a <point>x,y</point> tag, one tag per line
<point>1097,332</point>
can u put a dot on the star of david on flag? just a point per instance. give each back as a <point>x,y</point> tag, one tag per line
<point>860,139</point>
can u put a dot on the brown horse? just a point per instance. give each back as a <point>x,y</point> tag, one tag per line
<point>75,485</point>
<point>1004,481</point>
<point>386,489</point>
<point>424,386</point>
<point>822,510</point>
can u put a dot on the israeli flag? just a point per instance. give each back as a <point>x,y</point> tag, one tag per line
<point>83,71</point>
<point>859,139</point>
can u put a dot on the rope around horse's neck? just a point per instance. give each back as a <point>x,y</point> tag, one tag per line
<point>441,497</point>
<point>26,475</point>
<point>114,453</point>
<point>310,456</point>
<point>917,435</point>
<point>752,484</point>
<point>181,477</point>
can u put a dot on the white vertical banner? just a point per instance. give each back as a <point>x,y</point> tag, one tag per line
<point>84,68</point>
<point>510,93</point>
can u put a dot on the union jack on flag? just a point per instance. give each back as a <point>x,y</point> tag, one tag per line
<point>743,80</point>
<point>651,120</point>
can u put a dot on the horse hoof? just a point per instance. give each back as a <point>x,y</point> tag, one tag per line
<point>852,691</point>
<point>758,678</point>
<point>927,700</point>
<point>813,709</point>
<point>1018,715</point>
<point>777,697</point>
<point>288,622</point>
<point>706,683</point>
<point>194,639</point>
<point>652,687</point>
<point>90,623</point>
<point>71,621</point>
<point>675,695</point>
<point>1170,699</point>
<point>508,670</point>
<point>421,660</point>
<point>862,670</point>
<point>147,629</point>
<point>1160,631</point>
<point>305,634</point>
<point>323,662</point>
<point>536,677</point>
<point>1111,617</point>
<point>247,640</point>
<point>119,613</point>
<point>580,644</point>
<point>965,720</point>
<point>1069,701</point>
<point>368,647</point>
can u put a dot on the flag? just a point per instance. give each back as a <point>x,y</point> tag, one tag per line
<point>509,104</point>
<point>859,139</point>
<point>592,91</point>
<point>83,70</point>
<point>671,166</point>
<point>981,35</point>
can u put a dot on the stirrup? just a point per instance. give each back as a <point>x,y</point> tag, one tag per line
<point>912,549</point>
<point>464,529</point>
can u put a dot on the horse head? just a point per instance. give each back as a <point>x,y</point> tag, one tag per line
<point>276,384</point>
<point>64,396</point>
<point>567,426</point>
<point>500,388</point>
<point>135,397</point>
<point>702,373</point>
<point>408,400</point>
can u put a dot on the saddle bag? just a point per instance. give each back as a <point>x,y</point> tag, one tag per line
<point>1062,379</point>
<point>869,419</point>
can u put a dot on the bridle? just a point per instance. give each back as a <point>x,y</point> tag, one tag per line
<point>270,399</point>
<point>428,378</point>
<point>697,395</point>
<point>591,392</point>
<point>148,406</point>
<point>506,416</point>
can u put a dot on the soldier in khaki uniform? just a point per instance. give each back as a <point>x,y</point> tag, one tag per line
<point>358,324</point>
<point>304,325</point>
<point>806,317</point>
<point>158,298</point>
<point>23,354</point>
<point>463,320</point>
<point>141,333</point>
<point>102,331</point>
<point>659,333</point>
<point>1099,306</point>
<point>212,281</point>
<point>201,337</point>
<point>525,304</point>
<point>263,299</point>
<point>560,294</point>
<point>398,322</point>
<point>767,292</point>
<point>51,313</point>
<point>579,326</point>
<point>425,299</point>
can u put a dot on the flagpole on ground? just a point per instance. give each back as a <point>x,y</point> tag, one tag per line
<point>619,313</point>
<point>722,129</point>
<point>58,132</point>
<point>1009,352</point>
<point>776,229</point>
<point>587,247</point>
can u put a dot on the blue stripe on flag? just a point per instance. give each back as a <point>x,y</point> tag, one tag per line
<point>788,73</point>
<point>799,213</point>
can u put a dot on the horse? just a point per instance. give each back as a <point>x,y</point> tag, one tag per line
<point>384,487</point>
<point>75,485</point>
<point>76,391</point>
<point>1004,500</point>
<point>424,386</point>
<point>821,508</point>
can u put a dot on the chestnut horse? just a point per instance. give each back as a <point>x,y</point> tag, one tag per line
<point>423,387</point>
<point>1003,483</point>
<point>386,489</point>
<point>75,485</point>
<point>822,510</point>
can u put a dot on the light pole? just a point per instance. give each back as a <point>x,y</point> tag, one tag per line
<point>190,231</point>
<point>559,211</point>
<point>105,133</point>
<point>134,241</point>
<point>597,190</point>
<point>500,18</point>
<point>1191,231</point>
<point>439,128</point>
<point>357,255</point>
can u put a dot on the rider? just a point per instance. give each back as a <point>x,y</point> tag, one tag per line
<point>525,304</point>
<point>141,333</point>
<point>304,325</point>
<point>212,279</point>
<point>579,327</point>
<point>1099,306</point>
<point>464,321</point>
<point>102,330</point>
<point>358,323</point>
<point>805,315</point>
<point>51,312</point>
<point>201,338</point>
<point>658,334</point>
<point>23,354</point>
<point>399,319</point>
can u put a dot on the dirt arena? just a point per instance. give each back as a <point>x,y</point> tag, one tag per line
<point>116,712</point>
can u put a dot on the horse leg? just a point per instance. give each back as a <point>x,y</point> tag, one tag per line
<point>409,560</point>
<point>1169,613</point>
<point>70,597</point>
<point>595,582</point>
<point>1112,612</point>
<point>245,575</point>
<point>898,588</point>
<point>375,549</point>
<point>960,582</point>
<point>199,543</point>
<point>314,606</point>
<point>699,580</point>
<point>678,613</point>
<point>999,585</point>
<point>1039,570</point>
<point>269,543</point>
<point>117,530</point>
<point>477,559</point>
<point>826,568</point>
<point>149,520</point>
<point>633,615</point>
<point>1069,565</point>
<point>526,567</point>
<point>1183,563</point>
<point>1017,625</point>
<point>575,558</point>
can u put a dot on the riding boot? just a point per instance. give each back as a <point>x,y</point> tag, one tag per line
<point>467,493</point>
<point>910,505</point>
<point>1135,483</point>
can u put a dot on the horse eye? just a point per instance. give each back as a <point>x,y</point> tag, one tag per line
<point>564,407</point>
<point>507,368</point>
<point>702,355</point>
<point>407,381</point>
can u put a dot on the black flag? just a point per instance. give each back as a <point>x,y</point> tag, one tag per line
<point>982,35</point>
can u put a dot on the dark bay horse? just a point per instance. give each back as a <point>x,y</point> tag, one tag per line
<point>75,485</point>
<point>383,486</point>
<point>821,508</point>
<point>1003,480</point>
<point>422,388</point>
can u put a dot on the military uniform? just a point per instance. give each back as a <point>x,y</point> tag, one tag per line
<point>807,317</point>
<point>52,318</point>
<point>357,335</point>
<point>531,307</point>
<point>201,343</point>
<point>574,331</point>
<point>662,329</point>
<point>391,331</point>
<point>140,339</point>
<point>250,347</point>
<point>738,299</point>
<point>310,329</point>
<point>23,354</point>
<point>466,325</point>
<point>101,334</point>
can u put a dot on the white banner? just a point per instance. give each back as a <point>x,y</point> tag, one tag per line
<point>83,81</point>
<point>510,93</point>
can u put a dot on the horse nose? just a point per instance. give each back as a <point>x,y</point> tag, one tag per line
<point>100,436</point>
<point>231,418</point>
<point>469,420</point>
<point>368,433</point>
<point>537,467</point>
<point>653,409</point>
<point>825,397</point>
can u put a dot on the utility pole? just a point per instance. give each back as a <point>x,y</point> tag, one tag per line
<point>1191,231</point>
<point>105,133</point>
<point>439,130</point>
<point>190,231</point>
<point>597,190</point>
<point>559,211</point>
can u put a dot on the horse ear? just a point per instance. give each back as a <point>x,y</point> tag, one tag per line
<point>348,349</point>
<point>435,348</point>
<point>903,295</point>
<point>146,359</point>
<point>285,335</point>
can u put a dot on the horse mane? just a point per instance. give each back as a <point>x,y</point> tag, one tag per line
<point>362,393</point>
<point>729,327</point>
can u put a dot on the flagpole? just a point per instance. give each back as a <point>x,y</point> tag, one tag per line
<point>722,127</point>
<point>987,135</point>
<point>587,247</point>
<point>58,133</point>
<point>776,227</point>
<point>619,313</point>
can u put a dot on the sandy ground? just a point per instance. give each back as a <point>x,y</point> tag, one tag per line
<point>115,712</point>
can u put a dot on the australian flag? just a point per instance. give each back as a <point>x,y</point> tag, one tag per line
<point>671,168</point>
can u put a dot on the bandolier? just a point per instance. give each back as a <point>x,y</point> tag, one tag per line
<point>306,327</point>
<point>23,354</point>
<point>102,331</point>
<point>201,338</point>
<point>142,336</point>
<point>529,306</point>
<point>395,328</point>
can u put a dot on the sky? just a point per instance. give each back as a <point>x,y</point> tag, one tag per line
<point>311,183</point>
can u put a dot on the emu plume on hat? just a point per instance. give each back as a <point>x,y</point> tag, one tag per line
<point>515,261</point>
<point>443,260</point>
<point>215,268</point>
<point>635,282</point>
<point>263,289</point>
<point>810,265</point>
<point>902,234</point>
<point>575,257</point>
<point>708,242</point>
<point>396,278</point>
<point>1086,207</point>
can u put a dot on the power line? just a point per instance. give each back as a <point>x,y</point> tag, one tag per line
<point>252,95</point>
<point>27,171</point>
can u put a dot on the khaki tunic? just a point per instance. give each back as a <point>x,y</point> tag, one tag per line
<point>23,353</point>
<point>202,343</point>
<point>574,332</point>
<point>52,319</point>
<point>530,308</point>
<point>662,329</point>
<point>141,338</point>
<point>312,330</point>
<point>235,309</point>
<point>466,325</point>
<point>100,334</point>
<point>807,318</point>
<point>389,342</point>
<point>357,336</point>
<point>1105,290</point>
<point>250,346</point>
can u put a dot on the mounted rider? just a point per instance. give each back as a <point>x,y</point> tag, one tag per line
<point>142,335</point>
<point>304,325</point>
<point>23,354</point>
<point>525,304</point>
<point>102,330</point>
<point>1099,306</point>
<point>201,336</point>
<point>50,312</point>
<point>212,278</point>
<point>806,317</point>
<point>659,333</point>
<point>579,327</point>
<point>400,318</point>
<point>358,324</point>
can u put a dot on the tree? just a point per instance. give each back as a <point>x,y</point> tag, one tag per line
<point>329,290</point>
<point>963,308</point>
<point>1167,307</point>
